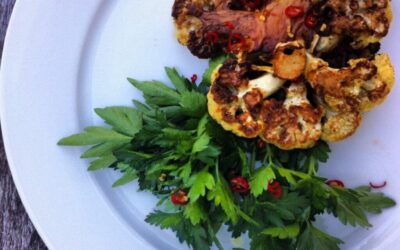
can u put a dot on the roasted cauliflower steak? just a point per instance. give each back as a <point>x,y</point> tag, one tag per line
<point>292,78</point>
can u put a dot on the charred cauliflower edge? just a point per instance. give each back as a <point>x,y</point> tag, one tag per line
<point>243,95</point>
<point>246,108</point>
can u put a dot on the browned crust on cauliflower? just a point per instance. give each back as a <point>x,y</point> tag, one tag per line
<point>275,49</point>
<point>359,87</point>
<point>366,21</point>
<point>339,126</point>
<point>292,125</point>
<point>234,114</point>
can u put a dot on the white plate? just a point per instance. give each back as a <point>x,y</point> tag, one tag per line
<point>64,58</point>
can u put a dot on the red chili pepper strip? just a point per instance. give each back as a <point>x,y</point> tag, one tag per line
<point>294,11</point>
<point>236,43</point>
<point>375,186</point>
<point>229,25</point>
<point>252,4</point>
<point>240,185</point>
<point>311,21</point>
<point>275,189</point>
<point>194,78</point>
<point>335,183</point>
<point>212,37</point>
<point>179,198</point>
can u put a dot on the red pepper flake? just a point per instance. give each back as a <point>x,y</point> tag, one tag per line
<point>236,43</point>
<point>378,186</point>
<point>229,25</point>
<point>294,11</point>
<point>212,37</point>
<point>252,4</point>
<point>335,183</point>
<point>275,188</point>
<point>179,197</point>
<point>311,21</point>
<point>240,185</point>
<point>193,78</point>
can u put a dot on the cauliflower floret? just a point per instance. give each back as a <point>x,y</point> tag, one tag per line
<point>375,90</point>
<point>359,87</point>
<point>365,21</point>
<point>245,106</point>
<point>235,102</point>
<point>293,124</point>
<point>339,126</point>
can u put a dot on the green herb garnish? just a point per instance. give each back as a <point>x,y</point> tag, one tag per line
<point>174,149</point>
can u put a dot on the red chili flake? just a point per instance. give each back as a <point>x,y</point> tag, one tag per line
<point>294,11</point>
<point>275,189</point>
<point>311,21</point>
<point>179,197</point>
<point>236,43</point>
<point>194,78</point>
<point>229,25</point>
<point>252,4</point>
<point>335,183</point>
<point>261,144</point>
<point>378,186</point>
<point>240,185</point>
<point>212,37</point>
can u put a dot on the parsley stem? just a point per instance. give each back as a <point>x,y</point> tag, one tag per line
<point>311,166</point>
<point>252,162</point>
<point>213,237</point>
<point>217,169</point>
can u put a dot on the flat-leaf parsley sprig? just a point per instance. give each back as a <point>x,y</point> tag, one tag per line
<point>206,177</point>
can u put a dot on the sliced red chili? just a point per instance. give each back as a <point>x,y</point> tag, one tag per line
<point>335,183</point>
<point>275,189</point>
<point>294,11</point>
<point>378,186</point>
<point>240,185</point>
<point>213,37</point>
<point>252,4</point>
<point>236,43</point>
<point>179,197</point>
<point>311,21</point>
<point>193,78</point>
<point>229,25</point>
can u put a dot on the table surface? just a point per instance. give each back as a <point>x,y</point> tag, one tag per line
<point>16,230</point>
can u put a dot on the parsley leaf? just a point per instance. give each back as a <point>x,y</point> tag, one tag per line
<point>373,202</point>
<point>223,197</point>
<point>199,183</point>
<point>125,120</point>
<point>102,149</point>
<point>265,242</point>
<point>156,93</point>
<point>94,135</point>
<point>103,162</point>
<point>290,231</point>
<point>129,176</point>
<point>180,82</point>
<point>259,181</point>
<point>314,239</point>
<point>194,235</point>
<point>195,213</point>
<point>194,104</point>
<point>201,143</point>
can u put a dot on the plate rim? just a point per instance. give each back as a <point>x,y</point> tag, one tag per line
<point>12,46</point>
